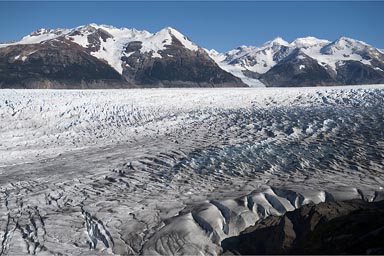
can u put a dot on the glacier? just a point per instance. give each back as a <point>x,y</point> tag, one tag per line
<point>177,171</point>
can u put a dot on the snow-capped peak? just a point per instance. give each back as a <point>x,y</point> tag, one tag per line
<point>277,41</point>
<point>349,40</point>
<point>168,32</point>
<point>86,28</point>
<point>345,46</point>
<point>212,52</point>
<point>103,26</point>
<point>254,51</point>
<point>252,58</point>
<point>308,41</point>
<point>165,32</point>
<point>345,43</point>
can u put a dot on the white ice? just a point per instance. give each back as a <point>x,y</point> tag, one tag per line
<point>176,171</point>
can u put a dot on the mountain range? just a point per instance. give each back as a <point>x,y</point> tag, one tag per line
<point>101,56</point>
<point>305,62</point>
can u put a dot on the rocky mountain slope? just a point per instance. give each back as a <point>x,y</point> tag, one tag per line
<point>305,62</point>
<point>94,56</point>
<point>350,227</point>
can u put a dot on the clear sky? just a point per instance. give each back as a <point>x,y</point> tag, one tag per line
<point>215,24</point>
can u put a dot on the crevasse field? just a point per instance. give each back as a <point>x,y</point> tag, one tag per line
<point>176,171</point>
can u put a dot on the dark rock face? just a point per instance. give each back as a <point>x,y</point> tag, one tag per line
<point>298,69</point>
<point>281,54</point>
<point>350,227</point>
<point>95,38</point>
<point>53,64</point>
<point>355,72</point>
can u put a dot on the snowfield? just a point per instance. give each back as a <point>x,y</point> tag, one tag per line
<point>176,171</point>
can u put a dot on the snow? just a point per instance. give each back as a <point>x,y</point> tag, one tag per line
<point>157,41</point>
<point>279,41</point>
<point>81,40</point>
<point>301,57</point>
<point>40,36</point>
<point>309,41</point>
<point>248,54</point>
<point>183,39</point>
<point>111,51</point>
<point>24,57</point>
<point>302,67</point>
<point>160,171</point>
<point>233,69</point>
<point>263,56</point>
<point>161,39</point>
<point>212,52</point>
<point>261,59</point>
<point>342,49</point>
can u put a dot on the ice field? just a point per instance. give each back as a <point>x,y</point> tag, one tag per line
<point>176,171</point>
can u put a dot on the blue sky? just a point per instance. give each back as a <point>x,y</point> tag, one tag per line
<point>215,24</point>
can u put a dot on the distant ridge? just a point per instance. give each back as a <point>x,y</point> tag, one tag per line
<point>305,61</point>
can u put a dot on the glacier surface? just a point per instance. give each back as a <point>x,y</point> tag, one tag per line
<point>177,171</point>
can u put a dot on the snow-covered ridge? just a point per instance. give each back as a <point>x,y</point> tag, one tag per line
<point>260,59</point>
<point>39,36</point>
<point>111,48</point>
<point>335,53</point>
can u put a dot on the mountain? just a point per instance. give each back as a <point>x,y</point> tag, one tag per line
<point>304,62</point>
<point>101,56</point>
